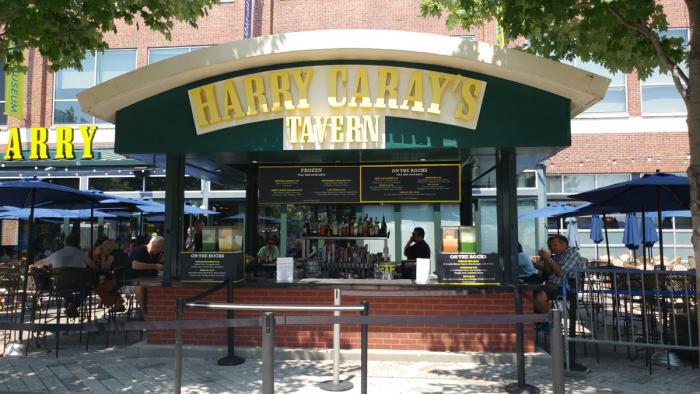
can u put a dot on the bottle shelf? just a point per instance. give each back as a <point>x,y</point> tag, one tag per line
<point>346,237</point>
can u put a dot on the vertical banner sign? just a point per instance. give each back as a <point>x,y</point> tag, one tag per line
<point>247,19</point>
<point>10,232</point>
<point>500,37</point>
<point>14,94</point>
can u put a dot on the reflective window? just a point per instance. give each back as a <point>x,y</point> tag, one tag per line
<point>157,54</point>
<point>611,179</point>
<point>96,69</point>
<point>578,183</point>
<point>116,184</point>
<point>615,99</point>
<point>554,184</point>
<point>659,94</point>
<point>527,179</point>
<point>157,183</point>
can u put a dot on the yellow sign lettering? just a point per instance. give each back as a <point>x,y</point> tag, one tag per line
<point>232,104</point>
<point>64,143</point>
<point>255,95</point>
<point>203,100</point>
<point>88,133</point>
<point>39,149</point>
<point>388,86</point>
<point>281,93</point>
<point>14,145</point>
<point>360,91</point>
<point>302,79</point>
<point>334,74</point>
<point>438,83</point>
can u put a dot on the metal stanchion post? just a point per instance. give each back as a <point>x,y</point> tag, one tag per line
<point>557,346</point>
<point>363,351</point>
<point>336,384</point>
<point>267,322</point>
<point>178,348</point>
<point>231,359</point>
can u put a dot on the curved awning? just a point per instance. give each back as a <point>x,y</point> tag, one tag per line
<point>582,88</point>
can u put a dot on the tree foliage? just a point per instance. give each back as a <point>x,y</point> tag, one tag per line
<point>63,30</point>
<point>621,35</point>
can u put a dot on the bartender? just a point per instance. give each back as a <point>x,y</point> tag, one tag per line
<point>416,247</point>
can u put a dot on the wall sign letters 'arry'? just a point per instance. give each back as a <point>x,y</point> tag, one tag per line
<point>337,106</point>
<point>39,144</point>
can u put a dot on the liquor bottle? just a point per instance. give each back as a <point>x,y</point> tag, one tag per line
<point>371,231</point>
<point>322,228</point>
<point>382,232</point>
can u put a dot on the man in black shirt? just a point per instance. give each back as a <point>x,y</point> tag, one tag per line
<point>416,247</point>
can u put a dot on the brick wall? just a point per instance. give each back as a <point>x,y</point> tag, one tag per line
<point>485,337</point>
<point>631,152</point>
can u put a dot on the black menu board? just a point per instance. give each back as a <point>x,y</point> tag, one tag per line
<point>312,184</point>
<point>469,269</point>
<point>429,183</point>
<point>211,266</point>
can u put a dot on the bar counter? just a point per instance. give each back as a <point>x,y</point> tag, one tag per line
<point>386,297</point>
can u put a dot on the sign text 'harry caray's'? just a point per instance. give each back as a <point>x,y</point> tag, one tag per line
<point>337,106</point>
<point>39,141</point>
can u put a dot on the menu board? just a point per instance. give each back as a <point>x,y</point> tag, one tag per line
<point>211,266</point>
<point>308,185</point>
<point>469,269</point>
<point>411,183</point>
<point>10,232</point>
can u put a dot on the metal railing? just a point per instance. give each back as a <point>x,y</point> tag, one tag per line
<point>641,310</point>
<point>268,321</point>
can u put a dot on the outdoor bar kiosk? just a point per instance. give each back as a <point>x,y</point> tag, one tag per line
<point>343,132</point>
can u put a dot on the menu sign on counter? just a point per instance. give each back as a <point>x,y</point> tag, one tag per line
<point>429,183</point>
<point>314,184</point>
<point>469,269</point>
<point>211,266</point>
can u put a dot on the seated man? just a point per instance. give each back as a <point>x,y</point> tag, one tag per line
<point>146,261</point>
<point>71,256</point>
<point>555,263</point>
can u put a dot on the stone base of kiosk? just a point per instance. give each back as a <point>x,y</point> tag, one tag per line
<point>416,337</point>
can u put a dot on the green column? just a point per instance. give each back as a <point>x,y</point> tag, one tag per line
<point>174,212</point>
<point>398,245</point>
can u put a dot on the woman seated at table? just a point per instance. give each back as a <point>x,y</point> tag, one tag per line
<point>112,262</point>
<point>527,273</point>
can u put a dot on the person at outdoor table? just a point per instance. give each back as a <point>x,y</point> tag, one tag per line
<point>146,261</point>
<point>71,256</point>
<point>554,263</point>
<point>527,272</point>
<point>269,252</point>
<point>416,247</point>
<point>108,256</point>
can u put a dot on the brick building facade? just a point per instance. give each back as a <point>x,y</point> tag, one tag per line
<point>639,128</point>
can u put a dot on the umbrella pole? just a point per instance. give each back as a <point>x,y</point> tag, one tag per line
<point>644,239</point>
<point>30,260</point>
<point>607,243</point>
<point>660,226</point>
<point>92,226</point>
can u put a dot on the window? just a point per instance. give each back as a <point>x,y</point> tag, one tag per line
<point>68,182</point>
<point>578,183</point>
<point>157,183</point>
<point>157,54</point>
<point>116,184</point>
<point>96,69</point>
<point>3,117</point>
<point>615,99</point>
<point>659,94</point>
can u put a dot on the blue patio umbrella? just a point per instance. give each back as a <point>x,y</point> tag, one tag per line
<point>33,194</point>
<point>158,208</point>
<point>549,211</point>
<point>658,192</point>
<point>632,237</point>
<point>572,233</point>
<point>650,235</point>
<point>596,233</point>
<point>241,216</point>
